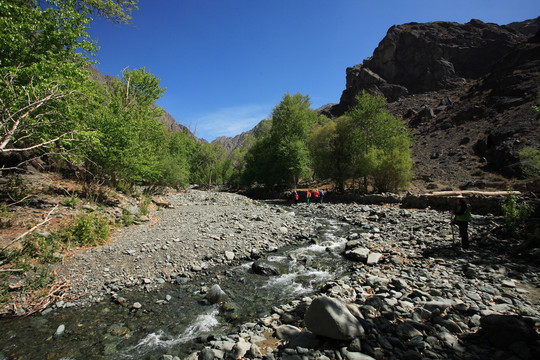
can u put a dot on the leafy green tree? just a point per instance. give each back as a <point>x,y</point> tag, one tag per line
<point>203,163</point>
<point>44,46</point>
<point>174,163</point>
<point>130,140</point>
<point>376,133</point>
<point>331,151</point>
<point>282,157</point>
<point>391,166</point>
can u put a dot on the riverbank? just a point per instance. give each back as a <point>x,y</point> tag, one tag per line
<point>423,297</point>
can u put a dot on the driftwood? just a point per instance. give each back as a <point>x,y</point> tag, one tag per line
<point>473,192</point>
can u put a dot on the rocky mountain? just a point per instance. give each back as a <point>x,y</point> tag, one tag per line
<point>231,144</point>
<point>466,90</point>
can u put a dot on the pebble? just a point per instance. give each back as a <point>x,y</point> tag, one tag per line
<point>423,297</point>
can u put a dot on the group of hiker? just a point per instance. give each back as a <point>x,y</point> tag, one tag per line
<point>317,195</point>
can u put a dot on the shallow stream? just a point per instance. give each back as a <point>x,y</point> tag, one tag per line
<point>174,316</point>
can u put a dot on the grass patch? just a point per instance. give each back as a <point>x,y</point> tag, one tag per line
<point>29,264</point>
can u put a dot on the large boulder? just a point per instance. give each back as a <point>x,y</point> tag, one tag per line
<point>331,318</point>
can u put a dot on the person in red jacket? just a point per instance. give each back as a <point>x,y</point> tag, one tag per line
<point>308,196</point>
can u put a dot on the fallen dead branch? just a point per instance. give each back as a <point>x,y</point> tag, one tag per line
<point>47,219</point>
<point>472,192</point>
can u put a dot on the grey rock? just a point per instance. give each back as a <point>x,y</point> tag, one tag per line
<point>353,355</point>
<point>216,295</point>
<point>287,332</point>
<point>440,305</point>
<point>240,348</point>
<point>305,339</point>
<point>255,351</point>
<point>357,254</point>
<point>373,258</point>
<point>406,331</point>
<point>60,331</point>
<point>377,281</point>
<point>264,268</point>
<point>330,318</point>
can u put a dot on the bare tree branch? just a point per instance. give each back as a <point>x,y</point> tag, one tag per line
<point>47,219</point>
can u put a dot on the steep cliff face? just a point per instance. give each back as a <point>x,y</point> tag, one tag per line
<point>466,90</point>
<point>416,58</point>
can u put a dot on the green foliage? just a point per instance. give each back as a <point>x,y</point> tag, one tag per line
<point>390,167</point>
<point>376,132</point>
<point>144,205</point>
<point>87,230</point>
<point>14,190</point>
<point>130,143</point>
<point>367,142</point>
<point>72,201</point>
<point>515,215</point>
<point>281,156</point>
<point>331,152</point>
<point>42,248</point>
<point>40,280</point>
<point>530,159</point>
<point>5,217</point>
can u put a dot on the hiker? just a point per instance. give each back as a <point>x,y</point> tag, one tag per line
<point>321,195</point>
<point>462,217</point>
<point>308,196</point>
<point>295,197</point>
<point>316,196</point>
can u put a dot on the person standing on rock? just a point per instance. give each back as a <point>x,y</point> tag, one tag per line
<point>295,197</point>
<point>316,196</point>
<point>308,196</point>
<point>462,218</point>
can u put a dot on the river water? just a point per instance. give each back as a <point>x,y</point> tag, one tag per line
<point>173,317</point>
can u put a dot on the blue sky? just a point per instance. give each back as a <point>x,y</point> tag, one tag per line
<point>227,63</point>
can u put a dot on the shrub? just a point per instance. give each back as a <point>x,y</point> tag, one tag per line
<point>515,215</point>
<point>145,203</point>
<point>5,217</point>
<point>88,230</point>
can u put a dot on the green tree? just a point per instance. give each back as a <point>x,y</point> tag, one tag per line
<point>203,163</point>
<point>377,135</point>
<point>130,140</point>
<point>515,214</point>
<point>174,163</point>
<point>331,151</point>
<point>44,47</point>
<point>282,157</point>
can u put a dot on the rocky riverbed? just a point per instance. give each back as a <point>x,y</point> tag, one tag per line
<point>409,291</point>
